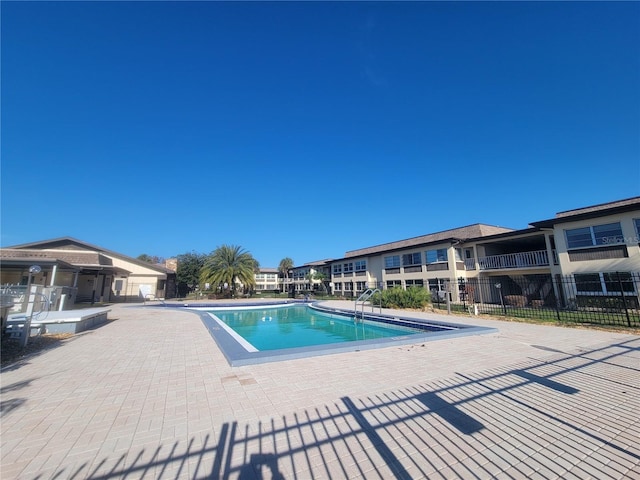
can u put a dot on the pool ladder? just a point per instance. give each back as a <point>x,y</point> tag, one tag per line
<point>362,300</point>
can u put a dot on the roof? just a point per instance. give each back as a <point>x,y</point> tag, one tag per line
<point>21,258</point>
<point>460,233</point>
<point>315,263</point>
<point>594,211</point>
<point>508,235</point>
<point>268,270</point>
<point>74,251</point>
<point>73,259</point>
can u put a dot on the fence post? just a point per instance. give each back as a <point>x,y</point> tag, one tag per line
<point>504,308</point>
<point>624,301</point>
<point>463,292</point>
<point>556,296</point>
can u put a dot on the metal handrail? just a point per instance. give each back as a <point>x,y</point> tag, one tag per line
<point>363,298</point>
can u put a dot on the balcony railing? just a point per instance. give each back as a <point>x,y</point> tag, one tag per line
<point>539,258</point>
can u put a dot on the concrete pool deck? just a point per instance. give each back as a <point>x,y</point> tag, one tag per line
<point>149,395</point>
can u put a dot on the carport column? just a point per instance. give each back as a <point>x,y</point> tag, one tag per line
<point>53,276</point>
<point>550,252</point>
<point>26,329</point>
<point>95,286</point>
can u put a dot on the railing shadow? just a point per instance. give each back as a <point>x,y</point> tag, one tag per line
<point>535,417</point>
<point>13,356</point>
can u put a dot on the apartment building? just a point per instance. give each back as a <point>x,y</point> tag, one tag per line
<point>267,279</point>
<point>427,261</point>
<point>310,277</point>
<point>587,245</point>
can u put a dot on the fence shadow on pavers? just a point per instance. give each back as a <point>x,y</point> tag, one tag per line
<point>569,415</point>
<point>13,355</point>
<point>16,386</point>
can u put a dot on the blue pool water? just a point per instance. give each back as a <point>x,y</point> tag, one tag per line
<point>250,334</point>
<point>300,326</point>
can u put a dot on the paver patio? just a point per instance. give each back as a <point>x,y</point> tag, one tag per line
<point>149,395</point>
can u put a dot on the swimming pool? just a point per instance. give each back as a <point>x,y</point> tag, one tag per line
<point>266,333</point>
<point>296,326</point>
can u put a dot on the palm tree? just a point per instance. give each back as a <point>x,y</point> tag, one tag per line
<point>323,278</point>
<point>228,265</point>
<point>286,264</point>
<point>313,275</point>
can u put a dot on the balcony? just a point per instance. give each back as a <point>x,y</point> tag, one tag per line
<point>539,258</point>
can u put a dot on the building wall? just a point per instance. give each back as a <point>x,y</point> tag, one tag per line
<point>592,259</point>
<point>141,281</point>
<point>527,255</point>
<point>267,281</point>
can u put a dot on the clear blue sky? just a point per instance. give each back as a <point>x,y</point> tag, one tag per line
<point>308,129</point>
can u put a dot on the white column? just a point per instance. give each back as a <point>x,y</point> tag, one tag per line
<point>52,282</point>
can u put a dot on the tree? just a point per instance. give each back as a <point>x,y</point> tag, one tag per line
<point>286,264</point>
<point>229,265</point>
<point>320,276</point>
<point>188,273</point>
<point>323,278</point>
<point>150,258</point>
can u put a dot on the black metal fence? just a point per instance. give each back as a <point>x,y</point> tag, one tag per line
<point>590,298</point>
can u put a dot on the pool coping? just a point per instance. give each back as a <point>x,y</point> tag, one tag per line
<point>237,355</point>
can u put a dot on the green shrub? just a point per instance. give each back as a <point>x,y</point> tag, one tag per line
<point>613,303</point>
<point>413,297</point>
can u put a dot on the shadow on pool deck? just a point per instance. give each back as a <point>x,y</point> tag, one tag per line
<point>538,416</point>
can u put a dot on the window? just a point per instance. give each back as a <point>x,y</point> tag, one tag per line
<point>618,282</point>
<point>439,255</point>
<point>438,289</point>
<point>610,233</point>
<point>411,259</point>
<point>348,267</point>
<point>337,286</point>
<point>300,274</point>
<point>394,283</point>
<point>415,283</point>
<point>588,282</point>
<point>361,266</point>
<point>637,224</point>
<point>348,286</point>
<point>596,235</point>
<point>361,286</point>
<point>604,283</point>
<point>337,268</point>
<point>392,262</point>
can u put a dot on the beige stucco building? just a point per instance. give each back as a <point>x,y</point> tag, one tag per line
<point>268,280</point>
<point>576,253</point>
<point>73,271</point>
